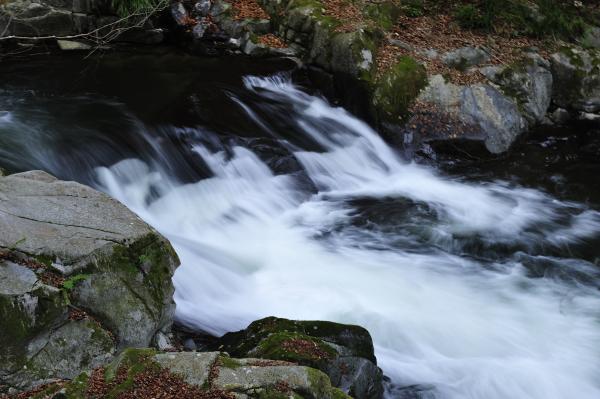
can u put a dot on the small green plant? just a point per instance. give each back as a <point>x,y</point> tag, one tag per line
<point>413,8</point>
<point>69,283</point>
<point>143,259</point>
<point>129,7</point>
<point>468,17</point>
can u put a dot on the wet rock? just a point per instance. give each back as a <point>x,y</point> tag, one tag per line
<point>466,57</point>
<point>343,352</point>
<point>576,79</point>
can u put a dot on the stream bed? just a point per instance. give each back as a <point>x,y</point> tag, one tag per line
<point>478,278</point>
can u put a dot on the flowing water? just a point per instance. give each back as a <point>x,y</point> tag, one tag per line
<point>480,283</point>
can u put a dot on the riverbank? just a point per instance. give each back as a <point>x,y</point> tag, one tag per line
<point>419,71</point>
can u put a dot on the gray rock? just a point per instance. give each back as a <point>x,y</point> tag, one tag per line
<point>430,53</point>
<point>199,29</point>
<point>591,38</point>
<point>189,345</point>
<point>576,79</point>
<point>179,14</point>
<point>202,7</point>
<point>75,346</point>
<point>243,378</point>
<point>70,45</point>
<point>588,116</point>
<point>255,50</point>
<point>163,341</point>
<point>529,82</point>
<point>194,367</point>
<point>495,117</point>
<point>36,20</point>
<point>401,44</point>
<point>257,26</point>
<point>560,116</point>
<point>466,57</point>
<point>27,309</point>
<point>118,269</point>
<point>247,378</point>
<point>219,7</point>
<point>16,279</point>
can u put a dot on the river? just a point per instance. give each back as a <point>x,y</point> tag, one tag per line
<point>477,279</point>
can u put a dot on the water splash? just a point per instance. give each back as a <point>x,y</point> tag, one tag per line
<point>456,324</point>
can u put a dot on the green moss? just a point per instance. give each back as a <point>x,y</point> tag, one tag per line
<point>337,393</point>
<point>574,58</point>
<point>76,388</point>
<point>229,362</point>
<point>45,260</point>
<point>273,347</point>
<point>275,394</point>
<point>149,255</point>
<point>320,383</point>
<point>383,15</point>
<point>397,89</point>
<point>128,7</point>
<point>18,325</point>
<point>47,392</point>
<point>356,338</point>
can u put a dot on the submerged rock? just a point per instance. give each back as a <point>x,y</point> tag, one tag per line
<point>343,352</point>
<point>68,250</point>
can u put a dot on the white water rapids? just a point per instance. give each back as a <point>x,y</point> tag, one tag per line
<point>254,244</point>
<point>443,316</point>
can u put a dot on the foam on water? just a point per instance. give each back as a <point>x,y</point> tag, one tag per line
<point>440,271</point>
<point>254,244</point>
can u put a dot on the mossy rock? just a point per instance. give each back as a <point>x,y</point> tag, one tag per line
<point>344,352</point>
<point>113,267</point>
<point>355,338</point>
<point>397,88</point>
<point>576,74</point>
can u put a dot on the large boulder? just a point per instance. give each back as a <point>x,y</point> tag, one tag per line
<point>466,57</point>
<point>81,276</point>
<point>343,352</point>
<point>576,75</point>
<point>488,114</point>
<point>528,81</point>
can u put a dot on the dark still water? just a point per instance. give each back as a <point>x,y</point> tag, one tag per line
<point>479,279</point>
